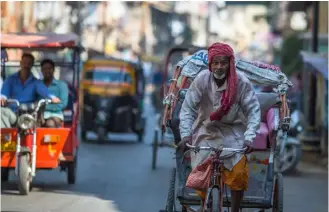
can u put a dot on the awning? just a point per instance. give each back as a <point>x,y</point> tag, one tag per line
<point>296,6</point>
<point>317,61</point>
<point>35,40</point>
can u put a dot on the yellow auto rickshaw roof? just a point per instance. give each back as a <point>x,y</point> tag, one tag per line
<point>115,61</point>
<point>106,60</point>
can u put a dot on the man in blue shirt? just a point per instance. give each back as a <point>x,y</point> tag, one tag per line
<point>24,87</point>
<point>53,114</point>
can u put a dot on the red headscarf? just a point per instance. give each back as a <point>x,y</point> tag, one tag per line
<point>228,96</point>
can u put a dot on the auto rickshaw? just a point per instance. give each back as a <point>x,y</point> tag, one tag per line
<point>112,95</point>
<point>27,146</point>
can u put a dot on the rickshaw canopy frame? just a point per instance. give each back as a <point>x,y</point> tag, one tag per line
<point>42,41</point>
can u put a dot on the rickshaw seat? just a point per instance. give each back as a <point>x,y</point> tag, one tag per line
<point>267,103</point>
<point>261,139</point>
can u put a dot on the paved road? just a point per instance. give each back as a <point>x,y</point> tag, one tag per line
<point>118,177</point>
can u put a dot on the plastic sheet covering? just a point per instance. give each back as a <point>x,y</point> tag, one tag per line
<point>264,74</point>
<point>259,73</point>
<point>193,64</point>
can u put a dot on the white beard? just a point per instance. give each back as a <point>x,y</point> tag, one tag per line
<point>217,76</point>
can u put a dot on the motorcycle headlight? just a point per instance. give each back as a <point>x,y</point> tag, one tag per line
<point>104,102</point>
<point>299,128</point>
<point>26,121</point>
<point>101,115</point>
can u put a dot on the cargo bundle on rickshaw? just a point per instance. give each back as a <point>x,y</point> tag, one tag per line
<point>112,95</point>
<point>265,184</point>
<point>27,146</point>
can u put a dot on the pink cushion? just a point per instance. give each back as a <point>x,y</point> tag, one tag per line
<point>271,124</point>
<point>261,139</point>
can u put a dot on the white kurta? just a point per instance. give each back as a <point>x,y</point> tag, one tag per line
<point>240,124</point>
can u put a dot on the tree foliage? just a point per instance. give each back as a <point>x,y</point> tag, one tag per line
<point>290,59</point>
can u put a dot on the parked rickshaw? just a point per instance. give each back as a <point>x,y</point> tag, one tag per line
<point>265,184</point>
<point>112,95</point>
<point>174,55</point>
<point>27,147</point>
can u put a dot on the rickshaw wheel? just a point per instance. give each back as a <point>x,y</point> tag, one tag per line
<point>141,131</point>
<point>101,135</point>
<point>184,209</point>
<point>4,174</point>
<point>71,170</point>
<point>278,193</point>
<point>83,132</point>
<point>155,146</point>
<point>171,193</point>
<point>83,135</point>
<point>24,174</point>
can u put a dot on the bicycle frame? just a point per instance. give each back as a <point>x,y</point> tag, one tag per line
<point>217,169</point>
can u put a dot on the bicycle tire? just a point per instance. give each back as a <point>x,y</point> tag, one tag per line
<point>171,193</point>
<point>215,204</point>
<point>278,193</point>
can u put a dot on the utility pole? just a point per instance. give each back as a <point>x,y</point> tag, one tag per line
<point>147,27</point>
<point>315,32</point>
<point>77,26</point>
<point>210,10</point>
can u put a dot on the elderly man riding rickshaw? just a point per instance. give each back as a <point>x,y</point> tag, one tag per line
<point>228,126</point>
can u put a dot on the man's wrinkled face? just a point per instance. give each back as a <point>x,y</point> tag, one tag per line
<point>47,71</point>
<point>220,66</point>
<point>26,63</point>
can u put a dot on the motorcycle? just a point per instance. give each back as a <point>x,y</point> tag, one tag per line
<point>289,147</point>
<point>25,165</point>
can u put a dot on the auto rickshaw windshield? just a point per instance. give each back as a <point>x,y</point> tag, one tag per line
<point>108,76</point>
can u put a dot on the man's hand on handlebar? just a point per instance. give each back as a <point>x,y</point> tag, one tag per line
<point>248,145</point>
<point>55,100</point>
<point>182,144</point>
<point>3,101</point>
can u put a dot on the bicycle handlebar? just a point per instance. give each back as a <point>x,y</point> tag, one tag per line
<point>39,104</point>
<point>197,149</point>
<point>42,102</point>
<point>14,101</point>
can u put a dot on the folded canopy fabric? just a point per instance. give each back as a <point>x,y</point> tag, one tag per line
<point>34,40</point>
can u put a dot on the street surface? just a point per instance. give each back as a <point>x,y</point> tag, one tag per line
<point>117,177</point>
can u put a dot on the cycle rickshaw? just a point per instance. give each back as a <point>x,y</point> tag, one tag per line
<point>28,147</point>
<point>174,55</point>
<point>265,184</point>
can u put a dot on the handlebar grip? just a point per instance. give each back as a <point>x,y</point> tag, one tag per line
<point>13,101</point>
<point>190,146</point>
<point>42,102</point>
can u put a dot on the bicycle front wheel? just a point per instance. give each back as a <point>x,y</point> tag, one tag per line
<point>215,201</point>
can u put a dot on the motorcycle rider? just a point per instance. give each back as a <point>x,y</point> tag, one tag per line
<point>24,87</point>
